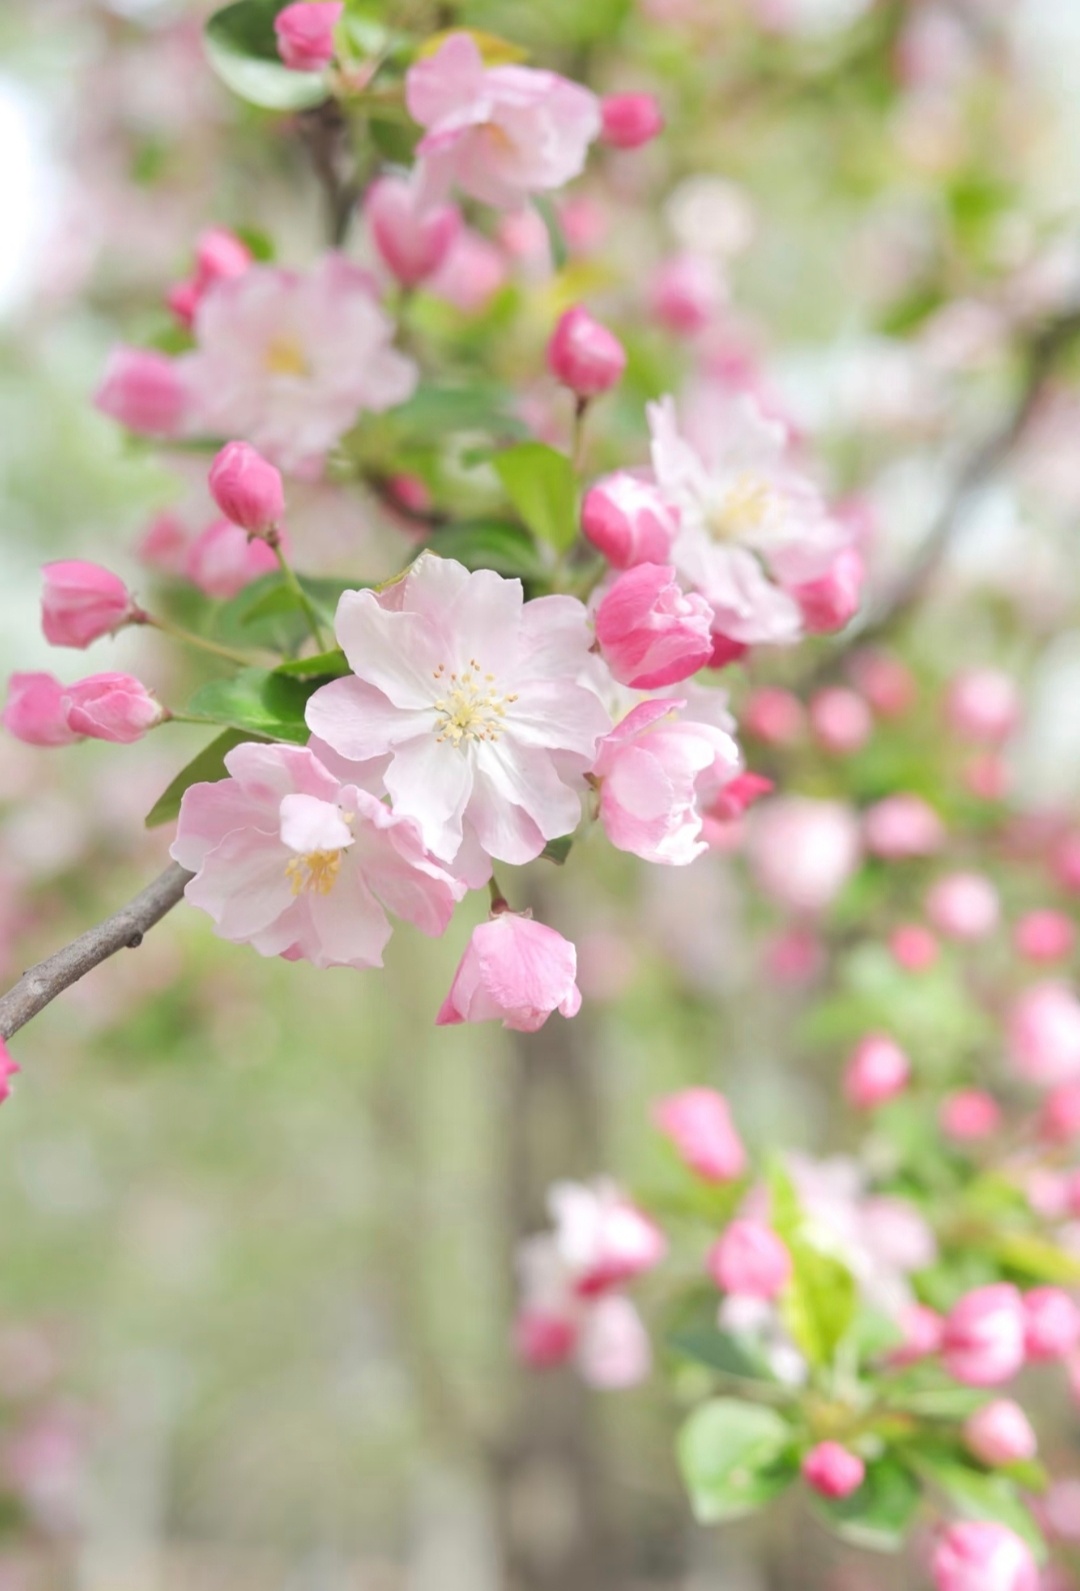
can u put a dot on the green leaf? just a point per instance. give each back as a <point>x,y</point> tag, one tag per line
<point>819,1303</point>
<point>207,767</point>
<point>719,1350</point>
<point>925,1392</point>
<point>558,850</point>
<point>435,410</point>
<point>257,701</point>
<point>734,1457</point>
<point>543,488</point>
<point>882,1511</point>
<point>490,544</point>
<point>242,48</point>
<point>332,665</point>
<point>277,597</point>
<point>1035,1259</point>
<point>978,1495</point>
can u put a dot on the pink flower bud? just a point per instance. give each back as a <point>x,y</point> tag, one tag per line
<point>739,795</point>
<point>305,34</point>
<point>963,906</point>
<point>877,1071</point>
<point>1065,863</point>
<point>685,294</point>
<point>774,716</point>
<point>969,1116</point>
<point>832,1470</point>
<point>628,521</point>
<point>1051,1324</point>
<point>983,705</point>
<point>219,256</point>
<point>471,274</point>
<point>183,299</point>
<point>1000,1433</point>
<point>803,851</point>
<point>698,1122</point>
<point>1059,1119</point>
<point>8,1069</point>
<point>246,488</point>
<point>614,1349</point>
<point>840,719</point>
<point>983,1336</point>
<point>902,826</point>
<point>887,683</point>
<point>412,239</point>
<point>164,544</point>
<point>922,1330</point>
<point>223,559</point>
<point>987,777</point>
<point>1044,936</point>
<point>584,355</point>
<point>1044,1034</point>
<point>979,1555</point>
<point>81,602</point>
<point>913,946</point>
<point>650,633</point>
<point>749,1259</point>
<point>832,601</point>
<point>36,711</point>
<point>726,651</point>
<point>144,391</point>
<point>630,120</point>
<point>543,1340</point>
<point>112,707</point>
<point>515,970</point>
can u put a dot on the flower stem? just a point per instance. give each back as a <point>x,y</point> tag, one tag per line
<point>499,902</point>
<point>577,449</point>
<point>177,633</point>
<point>293,582</point>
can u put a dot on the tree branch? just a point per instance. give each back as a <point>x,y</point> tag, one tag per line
<point>325,130</point>
<point>123,930</point>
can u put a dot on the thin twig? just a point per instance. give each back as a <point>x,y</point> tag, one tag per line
<point>325,130</point>
<point>123,930</point>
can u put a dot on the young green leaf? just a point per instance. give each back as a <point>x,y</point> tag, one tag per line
<point>734,1457</point>
<point>542,487</point>
<point>207,767</point>
<point>242,49</point>
<point>490,544</point>
<point>259,702</point>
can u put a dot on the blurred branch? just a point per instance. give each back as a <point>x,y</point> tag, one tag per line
<point>124,930</point>
<point>325,130</point>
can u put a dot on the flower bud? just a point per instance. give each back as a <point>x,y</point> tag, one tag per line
<point>840,719</point>
<point>698,1123</point>
<point>1043,1032</point>
<point>886,682</point>
<point>1000,1433</point>
<point>902,826</point>
<point>219,256</point>
<point>983,705</point>
<point>750,1260</point>
<point>774,715</point>
<point>803,851</point>
<point>913,946</point>
<point>832,601</point>
<point>833,1470</point>
<point>983,1336</point>
<point>584,355</point>
<point>113,707</point>
<point>1044,936</point>
<point>516,971</point>
<point>630,120</point>
<point>685,294</point>
<point>81,602</point>
<point>414,241</point>
<point>543,1340</point>
<point>1051,1324</point>
<point>922,1329</point>
<point>963,906</point>
<point>1059,1119</point>
<point>8,1069</point>
<point>36,712</point>
<point>246,488</point>
<point>628,521</point>
<point>144,391</point>
<point>223,559</point>
<point>739,795</point>
<point>650,633</point>
<point>980,1555</point>
<point>969,1116</point>
<point>877,1071</point>
<point>305,34</point>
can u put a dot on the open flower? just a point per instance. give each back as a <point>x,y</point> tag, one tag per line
<point>514,971</point>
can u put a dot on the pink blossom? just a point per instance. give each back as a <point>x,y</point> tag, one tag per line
<point>913,946</point>
<point>288,361</point>
<point>877,1071</point>
<point>477,699</point>
<point>686,293</point>
<point>659,774</point>
<point>613,1346</point>
<point>983,705</point>
<point>246,488</point>
<point>650,634</point>
<point>833,1470</point>
<point>983,1336</point>
<point>750,529</point>
<point>1045,935</point>
<point>223,559</point>
<point>294,863</point>
<point>1000,1433</point>
<point>556,1322</point>
<point>630,120</point>
<point>627,520</point>
<point>1059,1119</point>
<point>471,275</point>
<point>413,239</point>
<point>832,600</point>
<point>738,796</point>
<point>963,906</point>
<point>584,355</point>
<point>886,682</point>
<point>219,254</point>
<point>698,1123</point>
<point>970,1115</point>
<point>144,391</point>
<point>841,720</point>
<point>1051,1324</point>
<point>82,602</point>
<point>902,826</point>
<point>750,1260</point>
<point>113,707</point>
<point>305,33</point>
<point>542,1340</point>
<point>922,1329</point>
<point>980,1555</point>
<point>36,711</point>
<point>514,971</point>
<point>803,851</point>
<point>8,1069</point>
<point>499,133</point>
<point>603,1240</point>
<point>774,715</point>
<point>1065,862</point>
<point>1044,1034</point>
<point>164,545</point>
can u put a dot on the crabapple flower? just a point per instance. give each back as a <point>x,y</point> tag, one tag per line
<point>902,826</point>
<point>963,906</point>
<point>1000,1433</point>
<point>832,600</point>
<point>983,1336</point>
<point>288,360</point>
<point>294,863</point>
<point>969,1116</point>
<point>750,1261</point>
<point>413,239</point>
<point>602,1333</point>
<point>980,1555</point>
<point>1059,1119</point>
<point>1043,1032</point>
<point>913,946</point>
<point>685,293</point>
<point>921,1332</point>
<point>774,715</point>
<point>499,133</point>
<point>886,682</point>
<point>751,530</point>
<point>476,697</point>
<point>8,1069</point>
<point>1051,1324</point>
<point>613,1349</point>
<point>219,254</point>
<point>603,1240</point>
<point>113,707</point>
<point>1045,935</point>
<point>471,275</point>
<point>305,34</point>
<point>514,971</point>
<point>223,559</point>
<point>246,488</point>
<point>983,705</point>
<point>877,1071</point>
<point>650,633</point>
<point>833,1470</point>
<point>36,711</point>
<point>628,521</point>
<point>81,602</point>
<point>803,851</point>
<point>698,1123</point>
<point>841,720</point>
<point>659,774</point>
<point>738,796</point>
<point>584,355</point>
<point>630,120</point>
<point>144,390</point>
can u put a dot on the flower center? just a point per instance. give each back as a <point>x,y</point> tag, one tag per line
<point>470,708</point>
<point>314,873</point>
<point>742,507</point>
<point>285,357</point>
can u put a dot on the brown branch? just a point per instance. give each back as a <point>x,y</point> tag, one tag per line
<point>325,130</point>
<point>124,930</point>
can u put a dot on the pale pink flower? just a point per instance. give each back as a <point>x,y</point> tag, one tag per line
<point>832,600</point>
<point>1044,1034</point>
<point>885,680</point>
<point>293,862</point>
<point>472,273</point>
<point>877,1071</point>
<point>613,1350</point>
<point>983,705</point>
<point>584,355</point>
<point>246,488</point>
<point>841,720</point>
<point>114,707</point>
<point>650,633</point>
<point>36,711</point>
<point>983,1336</point>
<point>1000,1433</point>
<point>803,851</point>
<point>478,700</point>
<point>750,1261</point>
<point>413,238</point>
<point>698,1123</point>
<point>913,946</point>
<point>1044,935</point>
<point>1051,1324</point>
<point>602,1333</point>
<point>289,361</point>
<point>305,33</point>
<point>603,1240</point>
<point>980,1555</point>
<point>963,906</point>
<point>901,826</point>
<point>223,559</point>
<point>515,971</point>
<point>625,518</point>
<point>922,1329</point>
<point>969,1116</point>
<point>774,715</point>
<point>144,390</point>
<point>833,1470</point>
<point>630,120</point>
<point>81,602</point>
<point>498,133</point>
<point>1059,1119</point>
<point>686,293</point>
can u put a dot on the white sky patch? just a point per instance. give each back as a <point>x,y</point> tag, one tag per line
<point>27,192</point>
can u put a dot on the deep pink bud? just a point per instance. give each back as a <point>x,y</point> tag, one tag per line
<point>1044,936</point>
<point>832,601</point>
<point>113,707</point>
<point>650,633</point>
<point>183,299</point>
<point>627,520</point>
<point>963,906</point>
<point>36,711</point>
<point>1051,1324</point>
<point>223,559</point>
<point>922,1329</point>
<point>913,946</point>
<point>144,391</point>
<point>841,720</point>
<point>749,1259</point>
<point>516,971</point>
<point>1059,1119</point>
<point>979,1555</point>
<point>584,355</point>
<point>832,1470</point>
<point>81,602</point>
<point>774,715</point>
<point>726,651</point>
<point>969,1115</point>
<point>543,1340</point>
<point>219,256</point>
<point>685,293</point>
<point>630,120</point>
<point>983,705</point>
<point>902,826</point>
<point>305,33</point>
<point>877,1071</point>
<point>983,1336</point>
<point>739,795</point>
<point>246,488</point>
<point>698,1122</point>
<point>1000,1433</point>
<point>413,240</point>
<point>8,1068</point>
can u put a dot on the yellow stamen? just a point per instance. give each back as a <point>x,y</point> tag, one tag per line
<point>316,872</point>
<point>285,357</point>
<point>743,507</point>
